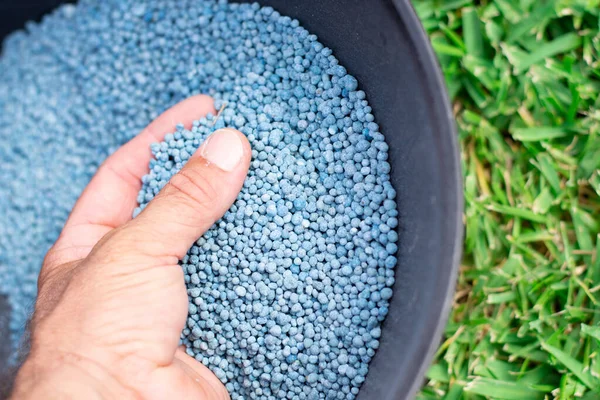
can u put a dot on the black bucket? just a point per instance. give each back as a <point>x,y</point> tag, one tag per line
<point>382,43</point>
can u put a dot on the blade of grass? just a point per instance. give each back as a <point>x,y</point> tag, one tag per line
<point>567,42</point>
<point>591,331</point>
<point>538,133</point>
<point>499,298</point>
<point>540,16</point>
<point>517,212</point>
<point>542,204</point>
<point>574,366</point>
<point>447,49</point>
<point>472,35</point>
<point>502,390</point>
<point>548,170</point>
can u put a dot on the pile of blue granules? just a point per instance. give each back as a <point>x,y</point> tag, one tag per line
<point>288,290</point>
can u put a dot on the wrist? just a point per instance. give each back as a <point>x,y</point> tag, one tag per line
<point>66,376</point>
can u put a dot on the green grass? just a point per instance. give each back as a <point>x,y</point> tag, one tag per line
<point>524,79</point>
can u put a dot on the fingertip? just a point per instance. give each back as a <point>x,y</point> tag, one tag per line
<point>194,108</point>
<point>201,374</point>
<point>228,149</point>
<point>185,112</point>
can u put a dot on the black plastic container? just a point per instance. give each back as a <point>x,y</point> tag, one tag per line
<point>382,43</point>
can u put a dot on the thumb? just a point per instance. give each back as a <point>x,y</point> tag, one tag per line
<point>196,197</point>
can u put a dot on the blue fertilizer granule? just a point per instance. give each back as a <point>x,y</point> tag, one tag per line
<point>288,290</point>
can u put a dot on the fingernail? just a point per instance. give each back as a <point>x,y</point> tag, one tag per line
<point>223,148</point>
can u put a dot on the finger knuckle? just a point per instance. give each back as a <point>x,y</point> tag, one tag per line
<point>52,258</point>
<point>55,258</point>
<point>112,247</point>
<point>194,188</point>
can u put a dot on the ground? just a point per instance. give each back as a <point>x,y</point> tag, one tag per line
<point>524,79</point>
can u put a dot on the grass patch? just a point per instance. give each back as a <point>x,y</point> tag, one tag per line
<point>524,79</point>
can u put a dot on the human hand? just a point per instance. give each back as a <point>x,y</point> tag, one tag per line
<point>112,300</point>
